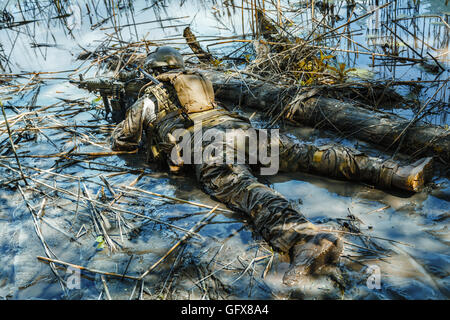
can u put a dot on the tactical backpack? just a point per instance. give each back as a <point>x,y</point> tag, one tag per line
<point>195,92</point>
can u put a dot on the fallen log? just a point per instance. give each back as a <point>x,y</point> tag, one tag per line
<point>308,107</point>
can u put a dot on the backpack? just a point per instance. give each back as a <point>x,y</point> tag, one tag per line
<point>195,92</point>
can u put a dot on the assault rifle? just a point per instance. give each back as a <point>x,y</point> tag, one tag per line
<point>120,91</point>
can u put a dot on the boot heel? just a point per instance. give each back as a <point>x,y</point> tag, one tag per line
<point>414,176</point>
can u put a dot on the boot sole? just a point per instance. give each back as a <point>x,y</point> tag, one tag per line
<point>415,178</point>
<point>420,174</point>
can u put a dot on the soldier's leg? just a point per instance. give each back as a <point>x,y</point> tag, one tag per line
<point>346,163</point>
<point>284,228</point>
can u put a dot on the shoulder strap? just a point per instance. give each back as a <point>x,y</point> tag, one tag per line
<point>169,76</point>
<point>166,102</point>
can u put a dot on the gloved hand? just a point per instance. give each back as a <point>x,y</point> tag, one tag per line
<point>315,250</point>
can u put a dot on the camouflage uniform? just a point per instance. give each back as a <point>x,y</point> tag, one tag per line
<point>233,184</point>
<point>183,101</point>
<point>157,114</point>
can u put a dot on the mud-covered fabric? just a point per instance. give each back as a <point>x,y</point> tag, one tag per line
<point>128,133</point>
<point>195,92</point>
<point>271,214</point>
<point>156,106</point>
<point>235,184</point>
<point>335,161</point>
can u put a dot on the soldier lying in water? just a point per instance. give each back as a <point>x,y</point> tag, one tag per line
<point>183,101</point>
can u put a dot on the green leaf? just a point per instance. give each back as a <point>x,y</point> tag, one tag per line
<point>217,62</point>
<point>333,69</point>
<point>323,57</point>
<point>100,241</point>
<point>350,70</point>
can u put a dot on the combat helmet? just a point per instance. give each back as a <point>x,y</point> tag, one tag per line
<point>164,57</point>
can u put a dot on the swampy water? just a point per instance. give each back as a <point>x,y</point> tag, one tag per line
<point>406,258</point>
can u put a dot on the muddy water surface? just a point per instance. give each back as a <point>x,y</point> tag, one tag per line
<point>408,259</point>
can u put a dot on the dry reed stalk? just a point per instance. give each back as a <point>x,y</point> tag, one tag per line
<point>368,236</point>
<point>111,274</point>
<point>13,148</point>
<point>197,226</point>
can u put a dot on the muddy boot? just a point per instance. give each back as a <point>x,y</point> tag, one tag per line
<point>413,177</point>
<point>346,163</point>
<point>410,177</point>
<point>314,251</point>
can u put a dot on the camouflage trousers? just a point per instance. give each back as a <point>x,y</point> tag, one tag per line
<point>235,184</point>
<point>271,213</point>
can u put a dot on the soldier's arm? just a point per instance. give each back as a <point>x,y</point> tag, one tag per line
<point>125,75</point>
<point>128,134</point>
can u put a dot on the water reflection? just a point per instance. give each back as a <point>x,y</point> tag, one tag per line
<point>46,36</point>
